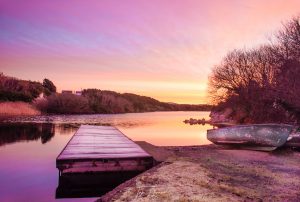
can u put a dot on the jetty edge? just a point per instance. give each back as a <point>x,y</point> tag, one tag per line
<point>102,149</point>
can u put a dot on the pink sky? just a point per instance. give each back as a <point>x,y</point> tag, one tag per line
<point>158,48</point>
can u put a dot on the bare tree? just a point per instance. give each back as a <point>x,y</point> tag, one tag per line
<point>264,82</point>
<point>289,40</point>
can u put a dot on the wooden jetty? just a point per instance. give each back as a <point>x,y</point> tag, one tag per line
<point>102,149</point>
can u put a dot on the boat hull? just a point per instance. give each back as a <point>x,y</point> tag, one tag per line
<point>259,135</point>
<point>294,140</point>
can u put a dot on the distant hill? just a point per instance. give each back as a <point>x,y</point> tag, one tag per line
<point>89,102</point>
<point>110,102</point>
<point>103,101</point>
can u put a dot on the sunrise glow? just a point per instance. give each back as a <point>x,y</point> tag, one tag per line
<point>163,49</point>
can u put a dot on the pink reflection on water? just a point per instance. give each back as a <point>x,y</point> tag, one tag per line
<point>27,156</point>
<point>28,171</point>
<point>168,129</point>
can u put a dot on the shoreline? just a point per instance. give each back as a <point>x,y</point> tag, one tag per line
<point>10,109</point>
<point>52,118</point>
<point>211,172</point>
<point>66,114</point>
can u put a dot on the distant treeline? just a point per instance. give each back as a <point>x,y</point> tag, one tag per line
<point>108,102</point>
<point>13,89</point>
<point>262,84</point>
<point>44,97</point>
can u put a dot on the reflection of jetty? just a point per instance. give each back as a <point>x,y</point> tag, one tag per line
<point>100,151</point>
<point>78,185</point>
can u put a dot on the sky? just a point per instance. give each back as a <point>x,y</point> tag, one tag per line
<point>159,48</point>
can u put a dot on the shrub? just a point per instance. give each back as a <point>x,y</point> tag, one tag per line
<point>12,89</point>
<point>67,104</point>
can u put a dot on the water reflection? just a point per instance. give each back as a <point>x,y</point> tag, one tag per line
<point>82,185</point>
<point>158,128</point>
<point>122,120</point>
<point>18,132</point>
<point>28,150</point>
<point>66,129</point>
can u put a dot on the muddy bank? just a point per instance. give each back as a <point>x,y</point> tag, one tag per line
<point>214,173</point>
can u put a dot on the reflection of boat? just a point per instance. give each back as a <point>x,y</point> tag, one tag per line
<point>256,136</point>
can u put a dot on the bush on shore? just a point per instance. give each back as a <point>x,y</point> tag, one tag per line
<point>13,89</point>
<point>64,104</point>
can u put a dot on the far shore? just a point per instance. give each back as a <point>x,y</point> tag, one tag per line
<point>214,173</point>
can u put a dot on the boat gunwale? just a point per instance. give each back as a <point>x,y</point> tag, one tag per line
<point>294,127</point>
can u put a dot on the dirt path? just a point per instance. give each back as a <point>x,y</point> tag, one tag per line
<point>212,173</point>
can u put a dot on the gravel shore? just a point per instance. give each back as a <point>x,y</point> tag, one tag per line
<point>214,173</point>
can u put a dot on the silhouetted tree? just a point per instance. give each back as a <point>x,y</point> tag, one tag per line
<point>264,82</point>
<point>49,87</point>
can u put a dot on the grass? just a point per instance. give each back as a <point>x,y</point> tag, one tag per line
<point>218,175</point>
<point>17,109</point>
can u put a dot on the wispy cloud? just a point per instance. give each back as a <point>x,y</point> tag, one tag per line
<point>146,46</point>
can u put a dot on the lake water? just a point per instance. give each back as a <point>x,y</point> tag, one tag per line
<point>29,146</point>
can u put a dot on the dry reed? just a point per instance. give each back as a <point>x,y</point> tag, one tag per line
<point>17,109</point>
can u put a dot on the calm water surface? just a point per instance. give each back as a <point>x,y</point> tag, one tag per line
<point>29,146</point>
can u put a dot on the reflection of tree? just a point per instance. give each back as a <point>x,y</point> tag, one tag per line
<point>48,131</point>
<point>66,129</point>
<point>18,132</point>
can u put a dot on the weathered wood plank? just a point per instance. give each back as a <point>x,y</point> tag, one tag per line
<point>101,144</point>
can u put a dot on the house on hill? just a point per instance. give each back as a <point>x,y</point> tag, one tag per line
<point>78,93</point>
<point>67,92</point>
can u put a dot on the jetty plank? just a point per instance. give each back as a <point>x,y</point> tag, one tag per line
<point>102,149</point>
